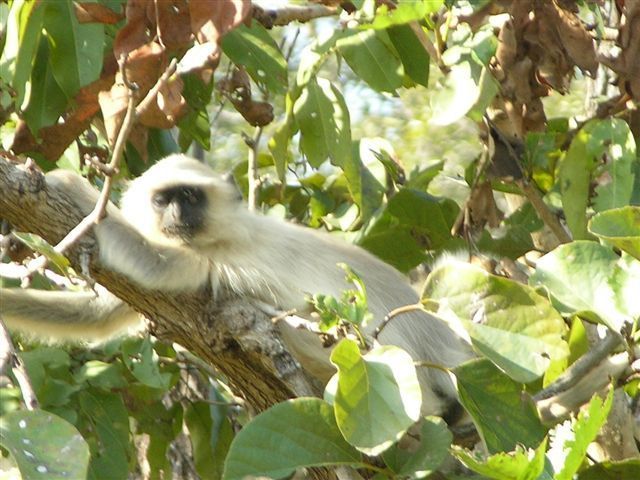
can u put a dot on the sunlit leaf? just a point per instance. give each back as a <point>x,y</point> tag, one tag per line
<point>378,396</point>
<point>508,322</point>
<point>588,277</point>
<point>619,227</point>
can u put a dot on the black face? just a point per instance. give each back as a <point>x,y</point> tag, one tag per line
<point>181,210</point>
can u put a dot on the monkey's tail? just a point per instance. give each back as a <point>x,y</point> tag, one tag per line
<point>66,316</point>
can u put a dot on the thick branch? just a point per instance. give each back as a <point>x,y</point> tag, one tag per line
<point>236,337</point>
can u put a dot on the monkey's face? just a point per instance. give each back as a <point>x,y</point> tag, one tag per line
<point>180,211</point>
<point>181,202</point>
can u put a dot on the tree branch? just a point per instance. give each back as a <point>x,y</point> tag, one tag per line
<point>271,17</point>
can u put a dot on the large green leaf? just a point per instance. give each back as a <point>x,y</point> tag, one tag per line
<point>293,434</point>
<point>378,396</point>
<point>588,277</point>
<point>76,49</point>
<point>255,50</point>
<point>423,460</point>
<point>505,417</point>
<point>23,35</point>
<point>323,118</point>
<point>411,223</point>
<point>619,227</point>
<point>44,445</point>
<point>369,56</point>
<point>508,322</point>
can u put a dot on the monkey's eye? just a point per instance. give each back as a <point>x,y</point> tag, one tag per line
<point>160,200</point>
<point>191,195</point>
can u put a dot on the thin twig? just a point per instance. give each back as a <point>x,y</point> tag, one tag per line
<point>393,313</point>
<point>252,170</point>
<point>549,219</point>
<point>437,366</point>
<point>581,367</point>
<point>530,191</point>
<point>10,358</point>
<point>270,17</point>
<point>428,45</point>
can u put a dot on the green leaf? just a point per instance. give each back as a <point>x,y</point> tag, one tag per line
<point>467,86</point>
<point>597,138</point>
<point>426,458</point>
<point>370,58</point>
<point>101,374</point>
<point>38,244</point>
<point>514,239</point>
<point>254,49</point>
<point>44,445</point>
<point>612,137</point>
<point>505,417</point>
<point>313,57</point>
<point>23,35</point>
<point>195,126</point>
<point>619,227</point>
<point>508,322</point>
<point>585,429</point>
<point>208,458</point>
<point>142,361</point>
<point>413,56</point>
<point>323,118</point>
<point>365,189</point>
<point>378,396</point>
<point>588,277</point>
<point>47,101</point>
<point>608,470</point>
<point>406,11</point>
<point>110,423</point>
<point>76,49</point>
<point>279,143</point>
<point>297,433</point>
<point>411,223</point>
<point>517,465</point>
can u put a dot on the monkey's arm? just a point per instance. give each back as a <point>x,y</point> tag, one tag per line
<point>78,316</point>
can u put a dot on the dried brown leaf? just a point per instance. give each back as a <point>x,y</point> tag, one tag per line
<point>95,13</point>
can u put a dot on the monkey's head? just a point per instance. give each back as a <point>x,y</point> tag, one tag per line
<point>179,201</point>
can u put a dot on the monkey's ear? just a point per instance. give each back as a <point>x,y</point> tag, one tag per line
<point>230,180</point>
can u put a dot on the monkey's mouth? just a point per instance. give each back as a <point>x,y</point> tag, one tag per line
<point>186,233</point>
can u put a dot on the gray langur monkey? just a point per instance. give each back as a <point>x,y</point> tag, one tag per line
<point>182,227</point>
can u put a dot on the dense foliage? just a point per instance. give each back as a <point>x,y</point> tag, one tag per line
<point>554,203</point>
